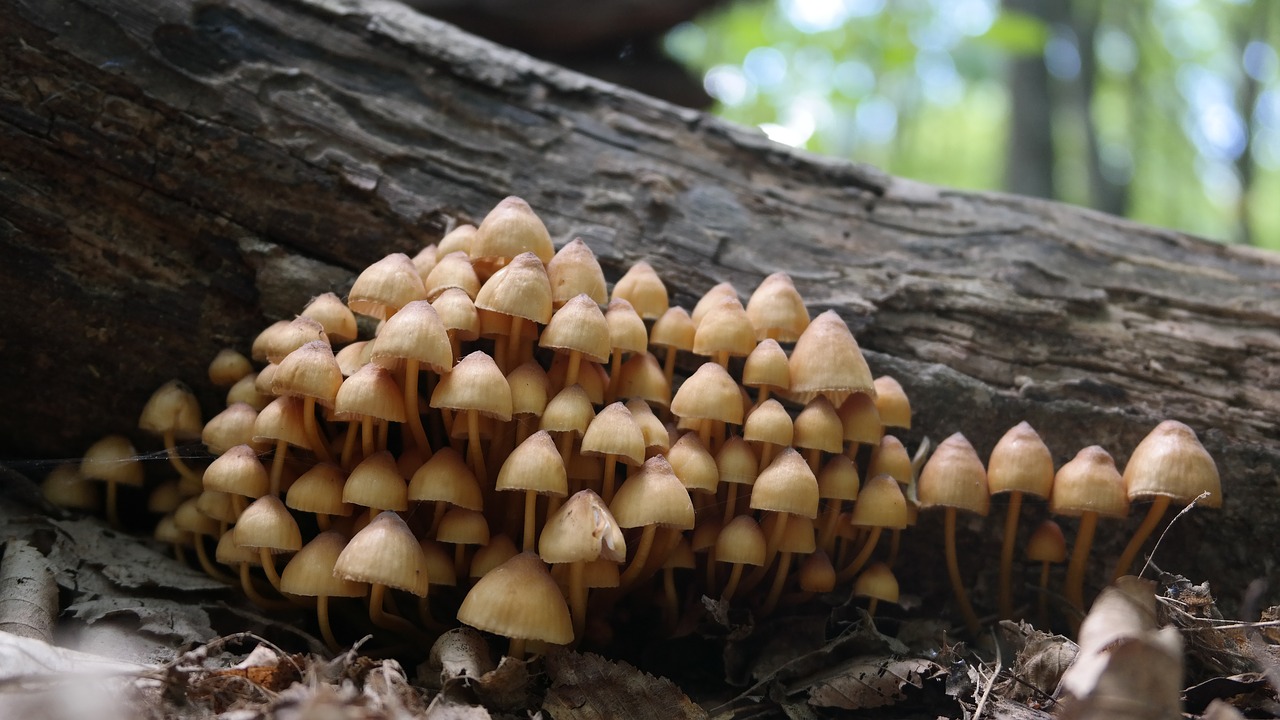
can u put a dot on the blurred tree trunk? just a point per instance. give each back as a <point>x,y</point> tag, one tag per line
<point>1029,159</point>
<point>176,173</point>
<point>1104,193</point>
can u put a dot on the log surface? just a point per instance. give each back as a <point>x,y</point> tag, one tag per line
<point>174,174</point>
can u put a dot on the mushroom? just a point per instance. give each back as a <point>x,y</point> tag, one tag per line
<point>452,270</point>
<point>267,526</point>
<point>1019,465</point>
<point>415,335</point>
<point>233,426</point>
<point>510,228</point>
<point>534,467</point>
<point>519,600</point>
<point>446,480</point>
<point>768,428</point>
<point>1046,545</point>
<point>310,574</point>
<point>724,331</point>
<point>880,505</point>
<point>627,334</point>
<point>386,286</point>
<point>954,479</point>
<point>239,473</point>
<point>319,491</point>
<point>817,430</point>
<point>1087,486</point>
<point>334,316</point>
<point>173,413</point>
<point>311,373</point>
<point>371,398</point>
<point>838,483</point>
<point>113,460</point>
<point>740,542</point>
<point>651,498</point>
<point>579,330</point>
<point>385,554</point>
<point>574,271</point>
<point>891,403</point>
<point>798,538</point>
<point>767,370</point>
<point>642,287</point>
<point>228,367</point>
<point>736,465</point>
<point>878,583</point>
<point>65,487</point>
<point>826,360</point>
<point>582,530</point>
<point>709,396</point>
<point>613,435</point>
<point>673,331</point>
<point>521,292</point>
<point>477,387</point>
<point>376,484</point>
<point>776,310</point>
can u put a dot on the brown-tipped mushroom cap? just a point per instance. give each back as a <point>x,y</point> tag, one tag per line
<point>1171,462</point>
<point>535,464</point>
<point>520,289</point>
<point>818,427</point>
<point>569,411</point>
<point>627,332</point>
<point>838,479</point>
<point>281,420</point>
<point>371,392</point>
<point>519,599</point>
<point>233,426</point>
<point>386,286</point>
<point>737,463</point>
<point>1089,483</point>
<point>457,240</point>
<point>460,526</point>
<point>578,325</point>
<point>1021,462</point>
<point>777,310</point>
<point>827,361</point>
<point>376,483</point>
<point>861,419</point>
<point>693,464</point>
<point>66,488</point>
<point>334,316</point>
<point>477,384</point>
<point>267,523</point>
<point>488,557</point>
<point>615,432</point>
<point>310,572</point>
<point>458,314</point>
<point>311,371</point>
<point>741,541</point>
<point>385,552</point>
<point>172,408</point>
<point>282,338</point>
<point>787,485</point>
<point>878,582</point>
<point>574,271</point>
<point>446,478</point>
<point>509,229</point>
<point>770,423</point>
<point>227,367</point>
<point>319,490</point>
<point>890,457</point>
<point>641,377</point>
<point>452,270</point>
<point>415,333</point>
<point>767,367</point>
<point>709,393</point>
<point>653,496</point>
<point>710,299</point>
<point>1047,543</point>
<point>674,329</point>
<point>656,437</point>
<point>880,504</point>
<point>954,477</point>
<point>581,530</point>
<point>817,574</point>
<point>113,459</point>
<point>724,329</point>
<point>642,287</point>
<point>238,471</point>
<point>892,403</point>
<point>529,388</point>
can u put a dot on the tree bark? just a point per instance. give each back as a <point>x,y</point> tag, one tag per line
<point>175,174</point>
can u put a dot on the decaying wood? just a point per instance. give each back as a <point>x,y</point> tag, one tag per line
<point>173,174</point>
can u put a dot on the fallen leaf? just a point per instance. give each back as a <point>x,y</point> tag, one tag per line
<point>585,686</point>
<point>1041,659</point>
<point>186,622</point>
<point>869,682</point>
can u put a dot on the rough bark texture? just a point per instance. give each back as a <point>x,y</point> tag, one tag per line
<point>174,174</point>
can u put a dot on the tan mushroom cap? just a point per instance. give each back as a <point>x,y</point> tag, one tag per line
<point>770,423</point>
<point>457,240</point>
<point>890,457</point>
<point>227,367</point>
<point>165,530</point>
<point>578,325</point>
<point>281,419</point>
<point>446,477</point>
<point>334,316</point>
<point>386,286</point>
<point>267,523</point>
<point>310,572</point>
<point>1171,462</point>
<point>217,505</point>
<point>880,504</point>
<point>246,391</point>
<point>861,419</point>
<point>1089,483</point>
<point>615,432</point>
<point>319,490</point>
<point>520,289</point>
<point>818,427</point>
<point>440,569</point>
<point>838,479</point>
<point>878,582</point>
<point>591,376</point>
<point>675,329</point>
<point>656,437</point>
<point>415,333</point>
<point>653,496</point>
<point>66,488</point>
<point>376,483</point>
<point>172,408</point>
<point>269,337</point>
<point>477,384</point>
<point>233,426</point>
<point>797,537</point>
<point>642,287</point>
<point>113,459</point>
<point>787,485</point>
<point>741,542</point>
<point>767,366</point>
<point>535,464</point>
<point>641,377</point>
<point>693,464</point>
<point>189,518</point>
<point>371,392</point>
<point>519,599</point>
<point>310,371</point>
<point>581,530</point>
<point>232,554</point>
<point>575,271</point>
<point>709,393</point>
<point>460,526</point>
<point>816,574</point>
<point>1021,462</point>
<point>569,411</point>
<point>452,271</point>
<point>776,309</point>
<point>682,557</point>
<point>627,332</point>
<point>425,260</point>
<point>826,360</point>
<point>1047,543</point>
<point>529,389</point>
<point>892,403</point>
<point>737,463</point>
<point>724,328</point>
<point>712,297</point>
<point>488,557</point>
<point>385,552</point>
<point>954,477</point>
<point>280,339</point>
<point>458,314</point>
<point>238,471</point>
<point>510,228</point>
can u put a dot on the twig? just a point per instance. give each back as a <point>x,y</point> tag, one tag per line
<point>1182,512</point>
<point>982,703</point>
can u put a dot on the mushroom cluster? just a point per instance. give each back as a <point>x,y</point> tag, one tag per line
<point>507,444</point>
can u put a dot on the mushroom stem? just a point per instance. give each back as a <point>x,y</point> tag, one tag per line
<point>210,569</point>
<point>530,520</point>
<point>385,620</point>
<point>670,600</point>
<point>633,571</point>
<point>851,571</point>
<point>615,376</point>
<point>827,525</point>
<point>895,542</point>
<point>732,585</point>
<point>348,459</point>
<point>516,650</point>
<point>762,395</point>
<point>578,598</point>
<point>1140,536</point>
<point>610,468</point>
<point>367,438</point>
<point>277,465</point>
<point>474,452</point>
<point>513,343</point>
<point>1042,603</point>
<point>1006,554</point>
<point>571,373</point>
<point>779,582</point>
<point>113,515</point>
<point>871,608</point>
<point>251,591</point>
<point>269,567</point>
<point>322,616</point>
<point>669,364</point>
<point>312,430</point>
<point>770,552</point>
<point>1074,589</point>
<point>170,447</point>
<point>411,408</point>
<point>730,500</point>
<point>953,569</point>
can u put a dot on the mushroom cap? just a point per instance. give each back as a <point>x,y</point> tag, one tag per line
<point>232,554</point>
<point>725,328</point>
<point>777,310</point>
<point>712,297</point>
<point>113,458</point>
<point>520,289</point>
<point>188,518</point>
<point>440,569</point>
<point>246,391</point>
<point>818,427</point>
<point>581,530</point>
<point>510,228</point>
<point>529,388</point>
<point>216,505</point>
<point>591,376</point>
<point>282,338</point>
<point>575,271</point>
<point>233,426</point>
<point>653,496</point>
<point>1171,462</point>
<point>861,419</point>
<point>569,411</point>
<point>880,504</point>
<point>227,367</point>
<point>786,485</point>
<point>172,408</point>
<point>310,572</point>
<point>519,599</point>
<point>736,462</point>
<point>1047,543</point>
<point>578,325</point>
<point>269,337</point>
<point>500,549</point>
<point>319,490</point>
<point>460,526</point>
<point>741,542</point>
<point>452,270</point>
<point>954,477</point>
<point>681,556</point>
<point>705,534</point>
<point>826,360</point>
<point>238,471</point>
<point>353,357</point>
<point>641,377</point>
<point>693,464</point>
<point>1021,462</point>
<point>163,499</point>
<point>656,437</point>
<point>66,488</point>
<point>446,477</point>
<point>377,483</point>
<point>878,582</point>
<point>1089,483</point>
<point>477,384</point>
<point>797,537</point>
<point>709,394</point>
<point>890,457</point>
<point>425,260</point>
<point>334,316</point>
<point>674,329</point>
<point>892,403</point>
<point>767,366</point>
<point>838,479</point>
<point>458,314</point>
<point>457,240</point>
<point>386,286</point>
<point>615,432</point>
<point>535,464</point>
<point>415,332</point>
<point>282,419</point>
<point>310,371</point>
<point>627,332</point>
<point>816,573</point>
<point>385,552</point>
<point>166,531</point>
<point>267,523</point>
<point>642,287</point>
<point>770,423</point>
<point>371,392</point>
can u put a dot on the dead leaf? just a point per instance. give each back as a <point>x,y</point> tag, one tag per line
<point>124,561</point>
<point>186,622</point>
<point>1041,660</point>
<point>585,686</point>
<point>28,594</point>
<point>506,687</point>
<point>870,682</point>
